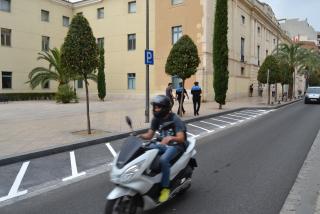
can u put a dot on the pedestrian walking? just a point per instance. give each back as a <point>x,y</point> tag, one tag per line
<point>196,98</point>
<point>169,93</point>
<point>251,90</point>
<point>180,96</point>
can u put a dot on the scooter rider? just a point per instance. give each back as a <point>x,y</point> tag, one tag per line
<point>171,144</point>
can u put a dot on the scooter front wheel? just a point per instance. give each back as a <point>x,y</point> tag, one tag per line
<point>124,205</point>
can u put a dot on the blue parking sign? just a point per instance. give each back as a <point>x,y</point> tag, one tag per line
<point>148,57</point>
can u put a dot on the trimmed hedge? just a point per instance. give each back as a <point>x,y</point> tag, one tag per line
<point>28,96</point>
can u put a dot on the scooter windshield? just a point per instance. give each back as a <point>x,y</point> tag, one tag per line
<point>131,149</point>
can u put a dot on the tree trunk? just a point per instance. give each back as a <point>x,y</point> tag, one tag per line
<point>87,99</point>
<point>220,106</point>
<point>290,91</point>
<point>282,91</point>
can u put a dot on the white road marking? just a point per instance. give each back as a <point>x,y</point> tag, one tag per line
<point>74,170</point>
<point>252,112</point>
<point>255,111</point>
<point>201,128</point>
<point>113,152</point>
<point>244,114</point>
<point>192,135</point>
<point>213,124</point>
<point>230,118</point>
<point>15,187</point>
<point>246,118</point>
<point>222,121</point>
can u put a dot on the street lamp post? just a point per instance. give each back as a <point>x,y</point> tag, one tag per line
<point>147,65</point>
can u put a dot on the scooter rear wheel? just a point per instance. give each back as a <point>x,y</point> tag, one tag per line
<point>123,205</point>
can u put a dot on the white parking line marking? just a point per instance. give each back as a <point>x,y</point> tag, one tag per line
<point>222,121</point>
<point>192,135</point>
<point>213,124</point>
<point>243,114</point>
<point>246,118</point>
<point>207,130</point>
<point>111,149</point>
<point>74,170</point>
<point>230,118</point>
<point>15,187</point>
<point>252,112</point>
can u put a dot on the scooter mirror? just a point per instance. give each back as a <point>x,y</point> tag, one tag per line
<point>128,120</point>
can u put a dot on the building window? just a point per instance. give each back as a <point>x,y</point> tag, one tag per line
<point>44,16</point>
<point>132,7</point>
<point>242,50</point>
<point>80,13</point>
<point>5,5</point>
<point>100,42</point>
<point>243,19</point>
<point>259,30</point>
<point>65,21</point>
<point>131,81</point>
<point>6,79</point>
<point>274,41</point>
<point>5,37</point>
<point>45,43</point>
<point>131,42</point>
<point>176,33</point>
<point>267,53</point>
<point>100,13</point>
<point>242,71</point>
<point>46,85</point>
<point>175,2</point>
<point>258,54</point>
<point>79,83</point>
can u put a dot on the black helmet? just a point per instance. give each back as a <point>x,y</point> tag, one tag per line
<point>164,103</point>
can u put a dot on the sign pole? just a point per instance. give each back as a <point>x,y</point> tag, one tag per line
<point>147,65</point>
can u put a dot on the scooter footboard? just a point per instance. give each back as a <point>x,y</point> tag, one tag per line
<point>119,191</point>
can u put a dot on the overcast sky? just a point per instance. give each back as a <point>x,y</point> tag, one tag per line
<point>302,9</point>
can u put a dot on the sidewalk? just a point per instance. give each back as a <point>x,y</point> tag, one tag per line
<point>28,126</point>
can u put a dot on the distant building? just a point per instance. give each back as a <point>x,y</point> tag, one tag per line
<point>300,30</point>
<point>28,27</point>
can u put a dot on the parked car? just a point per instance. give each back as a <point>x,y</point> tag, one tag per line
<point>312,95</point>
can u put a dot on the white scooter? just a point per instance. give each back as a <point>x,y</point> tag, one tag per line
<point>137,174</point>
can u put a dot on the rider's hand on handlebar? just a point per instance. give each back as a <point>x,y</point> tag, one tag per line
<point>166,140</point>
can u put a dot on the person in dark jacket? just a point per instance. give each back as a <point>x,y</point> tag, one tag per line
<point>169,93</point>
<point>196,98</point>
<point>179,96</point>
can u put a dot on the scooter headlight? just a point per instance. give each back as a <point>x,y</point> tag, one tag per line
<point>130,172</point>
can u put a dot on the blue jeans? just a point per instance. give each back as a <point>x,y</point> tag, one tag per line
<point>167,154</point>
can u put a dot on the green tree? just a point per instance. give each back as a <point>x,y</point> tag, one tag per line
<point>220,52</point>
<point>293,55</point>
<point>80,53</point>
<point>183,60</point>
<point>101,76</point>
<point>270,64</point>
<point>55,71</point>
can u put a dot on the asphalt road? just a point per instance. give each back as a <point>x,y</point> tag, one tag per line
<point>249,168</point>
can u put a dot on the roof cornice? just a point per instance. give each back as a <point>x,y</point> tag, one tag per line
<point>85,3</point>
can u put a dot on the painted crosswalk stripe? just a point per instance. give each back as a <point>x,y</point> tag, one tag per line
<point>192,135</point>
<point>235,119</point>
<point>213,124</point>
<point>207,130</point>
<point>74,170</point>
<point>14,191</point>
<point>244,114</point>
<point>113,152</point>
<point>246,118</point>
<point>252,112</point>
<point>222,121</point>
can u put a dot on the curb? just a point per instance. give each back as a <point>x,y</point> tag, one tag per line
<point>85,143</point>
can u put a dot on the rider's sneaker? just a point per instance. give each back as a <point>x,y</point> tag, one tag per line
<point>164,195</point>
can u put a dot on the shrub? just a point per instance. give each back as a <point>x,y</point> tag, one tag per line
<point>65,94</point>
